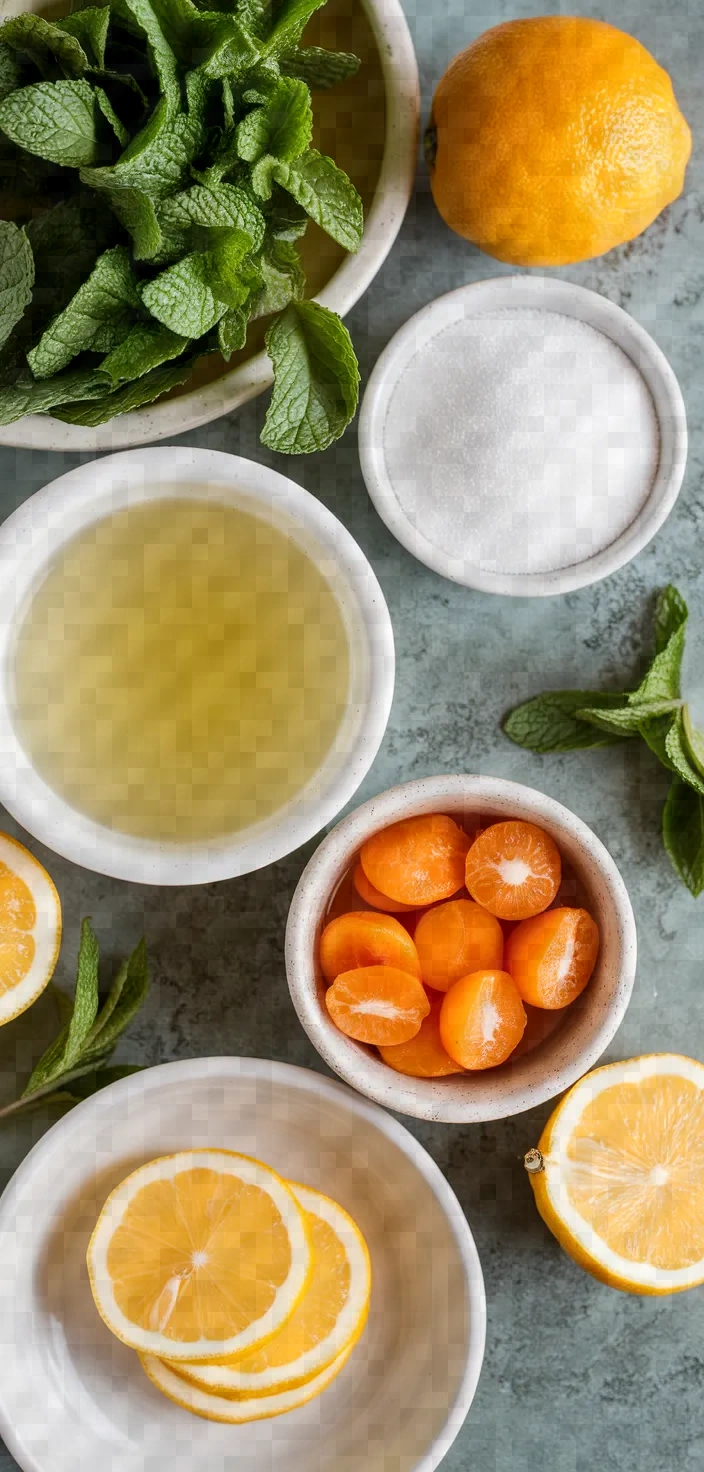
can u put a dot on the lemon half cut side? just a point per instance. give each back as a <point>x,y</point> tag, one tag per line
<point>198,1255</point>
<point>30,928</point>
<point>619,1173</point>
<point>329,1317</point>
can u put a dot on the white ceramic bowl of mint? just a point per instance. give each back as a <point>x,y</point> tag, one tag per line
<point>550,296</point>
<point>585,1029</point>
<point>73,1399</point>
<point>384,219</point>
<point>31,538</point>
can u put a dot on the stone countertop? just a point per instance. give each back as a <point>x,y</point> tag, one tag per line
<point>576,1376</point>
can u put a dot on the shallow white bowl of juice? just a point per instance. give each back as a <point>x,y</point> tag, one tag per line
<point>105,786</point>
<point>74,1399</point>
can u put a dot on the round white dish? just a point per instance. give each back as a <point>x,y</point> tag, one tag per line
<point>31,537</point>
<point>237,385</point>
<point>73,1399</point>
<point>585,1029</point>
<point>549,295</point>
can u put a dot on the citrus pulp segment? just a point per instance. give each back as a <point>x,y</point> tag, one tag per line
<point>198,1255</point>
<point>30,928</point>
<point>329,1318</point>
<point>214,1407</point>
<point>622,1184</point>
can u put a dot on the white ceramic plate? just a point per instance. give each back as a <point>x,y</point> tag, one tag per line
<point>549,295</point>
<point>73,1399</point>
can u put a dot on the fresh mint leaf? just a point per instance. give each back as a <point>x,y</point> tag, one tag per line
<point>141,14</point>
<point>263,175</point>
<point>670,616</point>
<point>662,681</point>
<point>629,720</point>
<point>228,104</point>
<point>147,346</point>
<point>208,40</point>
<point>111,117</point>
<point>255,15</point>
<point>64,1053</point>
<point>16,276</point>
<point>655,732</point>
<point>30,397</point>
<point>157,161</point>
<point>126,996</point>
<point>290,22</point>
<point>56,120</point>
<point>96,319</point>
<point>90,27</point>
<point>132,396</point>
<point>284,279</point>
<point>316,380</point>
<point>320,69</point>
<point>222,206</point>
<point>327,195</point>
<point>232,331</point>
<point>10,72</point>
<point>285,219</point>
<point>66,242</point>
<point>282,128</point>
<point>182,297</point>
<point>137,213</point>
<point>677,749</point>
<point>550,722</point>
<point>39,39</point>
<point>232,276</point>
<point>694,741</point>
<point>683,834</point>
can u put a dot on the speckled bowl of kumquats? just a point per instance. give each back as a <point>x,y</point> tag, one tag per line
<point>461,948</point>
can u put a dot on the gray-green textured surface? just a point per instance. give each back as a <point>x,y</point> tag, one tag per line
<point>576,1377</point>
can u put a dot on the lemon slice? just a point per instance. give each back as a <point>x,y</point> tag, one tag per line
<point>329,1318</point>
<point>30,928</point>
<point>621,1178</point>
<point>198,1255</point>
<point>221,1408</point>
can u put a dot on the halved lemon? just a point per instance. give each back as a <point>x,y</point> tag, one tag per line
<point>199,1255</point>
<point>329,1318</point>
<point>619,1173</point>
<point>222,1408</point>
<point>30,928</point>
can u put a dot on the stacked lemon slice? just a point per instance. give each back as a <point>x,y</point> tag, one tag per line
<point>243,1294</point>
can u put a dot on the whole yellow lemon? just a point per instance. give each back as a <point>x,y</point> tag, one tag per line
<point>554,139</point>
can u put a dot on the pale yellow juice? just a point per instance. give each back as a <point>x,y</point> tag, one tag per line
<point>182,671</point>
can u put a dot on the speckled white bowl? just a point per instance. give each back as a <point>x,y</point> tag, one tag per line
<point>585,1029</point>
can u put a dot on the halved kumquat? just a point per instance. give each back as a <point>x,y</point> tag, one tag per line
<point>372,896</point>
<point>514,870</point>
<point>424,1055</point>
<point>552,956</point>
<point>456,938</point>
<point>417,860</point>
<point>377,1004</point>
<point>482,1019</point>
<point>361,938</point>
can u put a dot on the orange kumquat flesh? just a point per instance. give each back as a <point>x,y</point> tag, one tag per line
<point>482,1019</point>
<point>372,896</point>
<point>514,870</point>
<point>552,956</point>
<point>456,938</point>
<point>418,860</point>
<point>377,1004</point>
<point>361,938</point>
<point>424,1055</point>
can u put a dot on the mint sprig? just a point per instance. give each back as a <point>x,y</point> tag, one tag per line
<point>189,128</point>
<point>571,720</point>
<point>75,1064</point>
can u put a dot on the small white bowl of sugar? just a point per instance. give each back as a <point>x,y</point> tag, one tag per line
<point>523,436</point>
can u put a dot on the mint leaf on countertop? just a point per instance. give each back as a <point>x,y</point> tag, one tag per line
<point>670,616</point>
<point>320,69</point>
<point>683,834</point>
<point>552,721</point>
<point>628,720</point>
<point>147,346</point>
<point>316,380</point>
<point>327,195</point>
<point>56,120</point>
<point>16,276</point>
<point>677,749</point>
<point>96,319</point>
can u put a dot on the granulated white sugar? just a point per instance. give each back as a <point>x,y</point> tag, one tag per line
<point>521,440</point>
